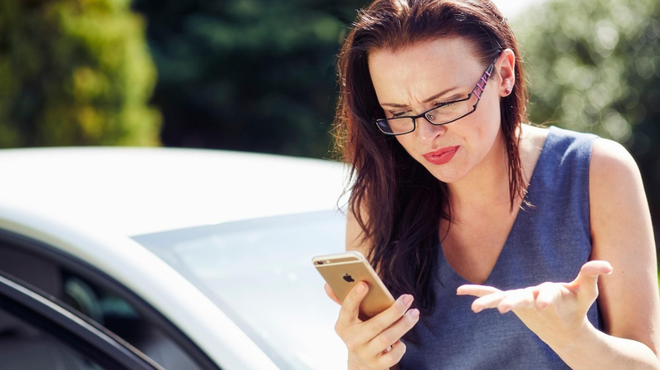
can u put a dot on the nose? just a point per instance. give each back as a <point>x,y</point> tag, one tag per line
<point>428,132</point>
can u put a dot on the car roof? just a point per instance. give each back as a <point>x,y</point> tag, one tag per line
<point>134,191</point>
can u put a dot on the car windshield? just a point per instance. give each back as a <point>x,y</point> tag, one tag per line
<point>259,272</point>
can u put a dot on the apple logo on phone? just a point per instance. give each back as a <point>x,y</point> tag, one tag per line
<point>348,278</point>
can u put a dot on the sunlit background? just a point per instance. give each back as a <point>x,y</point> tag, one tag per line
<point>259,75</point>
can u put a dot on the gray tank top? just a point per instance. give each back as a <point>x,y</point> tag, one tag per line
<point>549,241</point>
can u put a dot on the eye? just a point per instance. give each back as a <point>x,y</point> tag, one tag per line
<point>451,101</point>
<point>397,114</point>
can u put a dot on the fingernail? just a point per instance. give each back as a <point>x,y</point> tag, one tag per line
<point>407,299</point>
<point>360,288</point>
<point>414,313</point>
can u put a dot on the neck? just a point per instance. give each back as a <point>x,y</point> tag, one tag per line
<point>486,186</point>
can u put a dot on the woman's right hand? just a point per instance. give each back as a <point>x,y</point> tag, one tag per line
<point>374,344</point>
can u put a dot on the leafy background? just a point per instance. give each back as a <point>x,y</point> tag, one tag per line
<point>259,75</point>
<point>256,75</point>
<point>594,66</point>
<point>75,73</point>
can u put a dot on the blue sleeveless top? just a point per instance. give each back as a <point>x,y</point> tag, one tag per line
<point>549,241</point>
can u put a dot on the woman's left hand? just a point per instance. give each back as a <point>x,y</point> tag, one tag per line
<point>556,312</point>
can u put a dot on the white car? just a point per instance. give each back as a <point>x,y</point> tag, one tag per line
<point>149,258</point>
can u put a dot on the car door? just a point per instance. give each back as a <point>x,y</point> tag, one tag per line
<point>37,333</point>
<point>87,292</point>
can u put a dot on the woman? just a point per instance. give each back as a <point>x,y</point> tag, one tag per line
<point>455,196</point>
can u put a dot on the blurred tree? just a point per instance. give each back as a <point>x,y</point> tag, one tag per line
<point>595,66</point>
<point>255,75</point>
<point>74,72</point>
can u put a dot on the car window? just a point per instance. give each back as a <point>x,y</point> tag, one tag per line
<point>25,346</point>
<point>37,333</point>
<point>90,292</point>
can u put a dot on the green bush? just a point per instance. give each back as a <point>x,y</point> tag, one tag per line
<point>74,73</point>
<point>594,66</point>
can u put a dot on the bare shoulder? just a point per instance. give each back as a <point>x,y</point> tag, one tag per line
<point>623,235</point>
<point>609,158</point>
<point>616,187</point>
<point>532,139</point>
<point>616,192</point>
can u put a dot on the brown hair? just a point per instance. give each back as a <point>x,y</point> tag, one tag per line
<point>393,189</point>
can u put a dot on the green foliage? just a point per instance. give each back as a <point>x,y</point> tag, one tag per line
<point>74,72</point>
<point>594,66</point>
<point>255,75</point>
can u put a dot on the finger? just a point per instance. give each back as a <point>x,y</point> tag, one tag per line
<point>394,333</point>
<point>488,301</point>
<point>389,348</point>
<point>520,298</point>
<point>331,293</point>
<point>476,290</point>
<point>548,294</point>
<point>589,273</point>
<point>385,319</point>
<point>586,283</point>
<point>350,308</point>
<point>360,337</point>
<point>390,358</point>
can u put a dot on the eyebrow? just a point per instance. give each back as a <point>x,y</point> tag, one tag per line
<point>394,105</point>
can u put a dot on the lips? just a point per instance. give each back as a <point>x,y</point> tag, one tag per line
<point>441,156</point>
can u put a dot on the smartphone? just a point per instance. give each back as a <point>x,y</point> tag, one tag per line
<point>342,271</point>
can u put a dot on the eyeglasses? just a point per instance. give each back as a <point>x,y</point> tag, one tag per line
<point>439,115</point>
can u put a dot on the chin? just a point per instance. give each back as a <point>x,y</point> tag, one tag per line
<point>446,175</point>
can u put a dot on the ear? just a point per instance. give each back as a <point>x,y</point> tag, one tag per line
<point>505,66</point>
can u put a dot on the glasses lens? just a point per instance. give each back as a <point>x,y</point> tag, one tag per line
<point>452,111</point>
<point>396,125</point>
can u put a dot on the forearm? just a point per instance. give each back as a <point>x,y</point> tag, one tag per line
<point>593,349</point>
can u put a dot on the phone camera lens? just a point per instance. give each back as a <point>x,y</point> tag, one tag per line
<point>319,262</point>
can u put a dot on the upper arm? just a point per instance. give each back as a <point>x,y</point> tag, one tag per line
<point>623,235</point>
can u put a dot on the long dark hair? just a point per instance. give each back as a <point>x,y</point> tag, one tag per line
<point>403,203</point>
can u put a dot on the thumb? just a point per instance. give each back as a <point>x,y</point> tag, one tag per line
<point>587,279</point>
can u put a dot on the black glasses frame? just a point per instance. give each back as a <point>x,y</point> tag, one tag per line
<point>478,90</point>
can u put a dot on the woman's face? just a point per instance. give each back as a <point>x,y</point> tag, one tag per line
<point>415,79</point>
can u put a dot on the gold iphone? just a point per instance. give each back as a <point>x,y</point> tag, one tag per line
<point>342,271</point>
